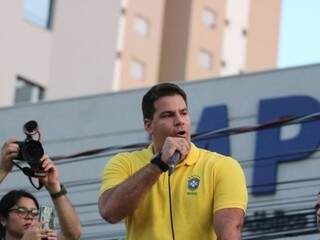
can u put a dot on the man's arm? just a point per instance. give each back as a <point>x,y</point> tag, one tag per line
<point>317,208</point>
<point>68,219</point>
<point>9,151</point>
<point>3,174</point>
<point>121,201</point>
<point>228,223</point>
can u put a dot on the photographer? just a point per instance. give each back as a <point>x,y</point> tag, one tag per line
<point>19,209</point>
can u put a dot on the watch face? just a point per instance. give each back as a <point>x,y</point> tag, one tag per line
<point>157,157</point>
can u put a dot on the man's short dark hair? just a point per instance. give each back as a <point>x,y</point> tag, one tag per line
<point>156,92</point>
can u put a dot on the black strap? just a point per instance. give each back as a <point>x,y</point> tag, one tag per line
<point>29,173</point>
<point>157,160</point>
<point>40,185</point>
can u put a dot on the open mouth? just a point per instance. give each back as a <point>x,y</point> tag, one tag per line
<point>181,134</point>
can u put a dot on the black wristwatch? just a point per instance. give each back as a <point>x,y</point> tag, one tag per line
<point>157,160</point>
<point>63,191</point>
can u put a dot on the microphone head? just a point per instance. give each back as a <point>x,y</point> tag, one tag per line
<point>173,161</point>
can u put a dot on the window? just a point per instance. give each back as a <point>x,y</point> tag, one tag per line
<point>223,63</point>
<point>205,59</point>
<point>38,12</point>
<point>141,26</point>
<point>208,17</point>
<point>27,92</point>
<point>137,69</point>
<point>244,32</point>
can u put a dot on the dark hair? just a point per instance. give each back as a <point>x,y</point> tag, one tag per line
<point>8,201</point>
<point>156,92</point>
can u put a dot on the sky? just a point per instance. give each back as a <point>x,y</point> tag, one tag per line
<point>299,33</point>
<point>37,11</point>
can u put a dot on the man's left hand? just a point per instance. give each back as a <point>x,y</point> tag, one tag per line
<point>51,180</point>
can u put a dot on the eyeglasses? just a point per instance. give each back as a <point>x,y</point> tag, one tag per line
<point>24,212</point>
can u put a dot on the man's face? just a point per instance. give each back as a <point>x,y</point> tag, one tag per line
<point>17,222</point>
<point>171,119</point>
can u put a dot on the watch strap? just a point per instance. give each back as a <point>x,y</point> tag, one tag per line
<point>157,160</point>
<point>63,191</point>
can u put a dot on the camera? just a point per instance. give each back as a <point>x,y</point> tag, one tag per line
<point>31,150</point>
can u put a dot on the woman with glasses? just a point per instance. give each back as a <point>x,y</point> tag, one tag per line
<point>19,209</point>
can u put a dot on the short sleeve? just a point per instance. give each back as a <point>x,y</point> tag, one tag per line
<point>114,172</point>
<point>230,186</point>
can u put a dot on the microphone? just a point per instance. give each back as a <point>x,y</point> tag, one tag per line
<point>173,161</point>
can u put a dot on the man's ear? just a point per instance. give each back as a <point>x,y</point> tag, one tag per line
<point>148,125</point>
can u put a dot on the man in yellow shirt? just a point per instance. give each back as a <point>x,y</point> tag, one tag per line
<point>203,196</point>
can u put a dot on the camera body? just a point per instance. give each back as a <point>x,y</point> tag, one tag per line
<point>30,150</point>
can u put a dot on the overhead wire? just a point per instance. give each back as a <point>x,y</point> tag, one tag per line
<point>282,121</point>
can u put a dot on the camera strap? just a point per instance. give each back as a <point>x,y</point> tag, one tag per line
<point>30,173</point>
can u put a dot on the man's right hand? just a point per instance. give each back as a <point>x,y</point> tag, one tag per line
<point>9,151</point>
<point>173,144</point>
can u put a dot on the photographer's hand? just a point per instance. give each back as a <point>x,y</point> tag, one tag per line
<point>51,235</point>
<point>51,180</point>
<point>9,151</point>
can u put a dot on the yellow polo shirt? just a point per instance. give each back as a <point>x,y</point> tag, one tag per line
<point>200,185</point>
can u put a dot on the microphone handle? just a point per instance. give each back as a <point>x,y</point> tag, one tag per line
<point>173,161</point>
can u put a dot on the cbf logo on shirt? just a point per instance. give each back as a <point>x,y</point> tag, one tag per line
<point>193,184</point>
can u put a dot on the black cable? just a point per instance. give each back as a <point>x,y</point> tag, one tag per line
<point>244,163</point>
<point>170,206</point>
<point>219,133</point>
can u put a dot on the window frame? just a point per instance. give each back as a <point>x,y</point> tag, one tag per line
<point>49,18</point>
<point>37,91</point>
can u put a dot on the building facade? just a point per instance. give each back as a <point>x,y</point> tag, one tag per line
<point>53,49</point>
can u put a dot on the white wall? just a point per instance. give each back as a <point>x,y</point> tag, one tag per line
<point>84,47</point>
<point>76,57</point>
<point>234,43</point>
<point>25,50</point>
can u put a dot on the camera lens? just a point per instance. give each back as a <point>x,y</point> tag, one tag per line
<point>30,127</point>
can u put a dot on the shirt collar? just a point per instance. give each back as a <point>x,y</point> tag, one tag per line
<point>192,156</point>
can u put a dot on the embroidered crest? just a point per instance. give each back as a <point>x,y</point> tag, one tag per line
<point>193,183</point>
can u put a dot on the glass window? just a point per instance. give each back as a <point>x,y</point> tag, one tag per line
<point>141,26</point>
<point>137,69</point>
<point>205,59</point>
<point>208,17</point>
<point>38,12</point>
<point>27,92</point>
